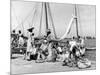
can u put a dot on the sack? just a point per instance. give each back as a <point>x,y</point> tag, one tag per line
<point>84,64</point>
<point>82,51</point>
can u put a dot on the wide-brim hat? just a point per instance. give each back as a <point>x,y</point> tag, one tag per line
<point>30,29</point>
<point>19,31</point>
<point>32,34</point>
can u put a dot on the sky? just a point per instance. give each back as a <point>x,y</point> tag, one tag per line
<point>22,12</point>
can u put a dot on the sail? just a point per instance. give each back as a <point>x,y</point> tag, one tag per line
<point>70,24</point>
<point>68,29</point>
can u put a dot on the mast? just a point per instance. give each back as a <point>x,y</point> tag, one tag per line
<point>41,21</point>
<point>76,20</point>
<point>46,17</point>
<point>49,11</point>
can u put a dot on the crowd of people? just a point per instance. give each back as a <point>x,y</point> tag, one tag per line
<point>71,53</point>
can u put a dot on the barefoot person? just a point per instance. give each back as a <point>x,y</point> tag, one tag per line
<point>29,44</point>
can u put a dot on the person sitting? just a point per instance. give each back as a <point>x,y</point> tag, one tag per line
<point>21,41</point>
<point>44,45</point>
<point>48,36</point>
<point>59,49</point>
<point>42,52</point>
<point>52,53</point>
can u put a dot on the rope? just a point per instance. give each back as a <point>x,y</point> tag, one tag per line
<point>49,11</point>
<point>15,17</point>
<point>34,16</point>
<point>22,27</point>
<point>29,14</point>
<point>41,20</point>
<point>22,23</point>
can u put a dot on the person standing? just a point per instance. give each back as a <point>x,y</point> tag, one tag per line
<point>29,44</point>
<point>82,46</point>
<point>48,36</point>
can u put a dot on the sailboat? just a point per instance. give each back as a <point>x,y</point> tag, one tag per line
<point>74,17</point>
<point>48,17</point>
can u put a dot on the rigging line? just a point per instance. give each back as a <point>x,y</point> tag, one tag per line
<point>49,11</point>
<point>15,17</point>
<point>18,22</point>
<point>46,15</point>
<point>41,20</point>
<point>29,14</point>
<point>22,27</point>
<point>24,19</point>
<point>29,24</point>
<point>34,16</point>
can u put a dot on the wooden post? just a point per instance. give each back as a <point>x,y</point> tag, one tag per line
<point>76,21</point>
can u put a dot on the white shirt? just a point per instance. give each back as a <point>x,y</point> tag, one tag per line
<point>59,48</point>
<point>29,46</point>
<point>21,40</point>
<point>72,44</point>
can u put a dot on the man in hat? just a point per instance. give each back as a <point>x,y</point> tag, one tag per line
<point>29,43</point>
<point>30,29</point>
<point>42,51</point>
<point>48,36</point>
<point>21,40</point>
<point>14,38</point>
<point>13,32</point>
